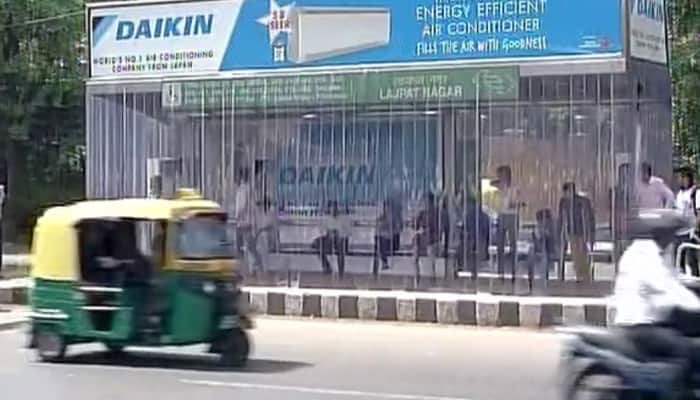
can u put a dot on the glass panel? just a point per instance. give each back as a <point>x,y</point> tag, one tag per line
<point>306,181</point>
<point>201,238</point>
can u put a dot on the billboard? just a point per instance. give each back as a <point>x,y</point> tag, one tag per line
<point>648,30</point>
<point>189,38</point>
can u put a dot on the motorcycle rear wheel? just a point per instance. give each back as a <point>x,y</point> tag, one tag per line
<point>599,386</point>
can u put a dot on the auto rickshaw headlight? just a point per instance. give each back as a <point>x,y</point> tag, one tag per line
<point>208,287</point>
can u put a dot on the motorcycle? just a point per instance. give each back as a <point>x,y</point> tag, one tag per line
<point>605,364</point>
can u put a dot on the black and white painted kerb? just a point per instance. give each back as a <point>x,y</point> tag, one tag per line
<point>439,308</point>
<point>448,309</point>
<point>14,295</point>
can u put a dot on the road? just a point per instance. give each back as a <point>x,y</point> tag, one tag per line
<point>309,360</point>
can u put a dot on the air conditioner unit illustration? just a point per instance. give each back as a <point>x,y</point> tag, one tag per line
<point>323,32</point>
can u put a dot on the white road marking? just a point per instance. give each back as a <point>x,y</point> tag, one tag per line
<point>319,391</point>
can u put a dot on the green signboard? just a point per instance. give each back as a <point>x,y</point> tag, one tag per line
<point>434,86</point>
<point>376,87</point>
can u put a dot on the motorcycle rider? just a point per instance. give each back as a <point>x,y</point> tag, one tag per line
<point>648,291</point>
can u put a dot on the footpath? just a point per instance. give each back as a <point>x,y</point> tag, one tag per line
<point>480,309</point>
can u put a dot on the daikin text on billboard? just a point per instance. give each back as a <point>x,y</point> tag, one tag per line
<point>189,38</point>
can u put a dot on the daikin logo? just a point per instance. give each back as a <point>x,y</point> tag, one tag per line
<point>165,27</point>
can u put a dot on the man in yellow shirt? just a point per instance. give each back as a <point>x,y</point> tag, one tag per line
<point>504,203</point>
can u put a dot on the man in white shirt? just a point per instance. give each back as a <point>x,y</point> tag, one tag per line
<point>652,192</point>
<point>686,203</point>
<point>335,233</point>
<point>648,290</point>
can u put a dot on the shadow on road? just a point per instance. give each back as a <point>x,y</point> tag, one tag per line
<point>185,362</point>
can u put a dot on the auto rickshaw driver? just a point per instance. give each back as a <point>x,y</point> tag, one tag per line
<point>107,257</point>
<point>113,259</point>
<point>97,262</point>
<point>136,274</point>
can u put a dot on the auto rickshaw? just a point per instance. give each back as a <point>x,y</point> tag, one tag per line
<point>93,281</point>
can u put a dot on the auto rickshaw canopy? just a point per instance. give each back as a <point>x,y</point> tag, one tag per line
<point>55,252</point>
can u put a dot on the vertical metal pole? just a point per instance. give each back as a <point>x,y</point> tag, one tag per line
<point>638,88</point>
<point>90,130</point>
<point>460,122</point>
<point>120,141</point>
<point>518,210</point>
<point>613,162</point>
<point>223,197</point>
<point>477,177</point>
<point>232,160</point>
<point>202,165</point>
<point>133,154</point>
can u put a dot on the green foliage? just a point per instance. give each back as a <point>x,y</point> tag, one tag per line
<point>41,105</point>
<point>685,67</point>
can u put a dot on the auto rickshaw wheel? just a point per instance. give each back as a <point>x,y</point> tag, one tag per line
<point>51,346</point>
<point>235,349</point>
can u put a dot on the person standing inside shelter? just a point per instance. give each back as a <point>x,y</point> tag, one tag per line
<point>387,237</point>
<point>577,229</point>
<point>266,231</point>
<point>621,199</point>
<point>473,230</point>
<point>245,214</point>
<point>335,237</point>
<point>686,202</point>
<point>505,203</point>
<point>427,234</point>
<point>446,224</point>
<point>652,192</point>
<point>544,243</point>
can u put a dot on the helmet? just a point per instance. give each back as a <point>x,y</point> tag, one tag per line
<point>661,225</point>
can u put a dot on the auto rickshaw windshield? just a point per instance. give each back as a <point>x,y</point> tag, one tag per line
<point>203,237</point>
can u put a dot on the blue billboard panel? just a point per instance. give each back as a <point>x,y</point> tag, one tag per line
<point>230,35</point>
<point>341,32</point>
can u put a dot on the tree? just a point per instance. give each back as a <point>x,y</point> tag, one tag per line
<point>40,91</point>
<point>685,69</point>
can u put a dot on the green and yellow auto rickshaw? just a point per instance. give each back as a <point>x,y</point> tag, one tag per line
<point>137,272</point>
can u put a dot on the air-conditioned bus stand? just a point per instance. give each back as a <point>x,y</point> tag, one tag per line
<point>323,126</point>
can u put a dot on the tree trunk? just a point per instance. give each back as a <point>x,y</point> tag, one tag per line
<point>9,219</point>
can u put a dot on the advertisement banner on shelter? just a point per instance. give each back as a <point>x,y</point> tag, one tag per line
<point>648,30</point>
<point>358,162</point>
<point>188,38</point>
